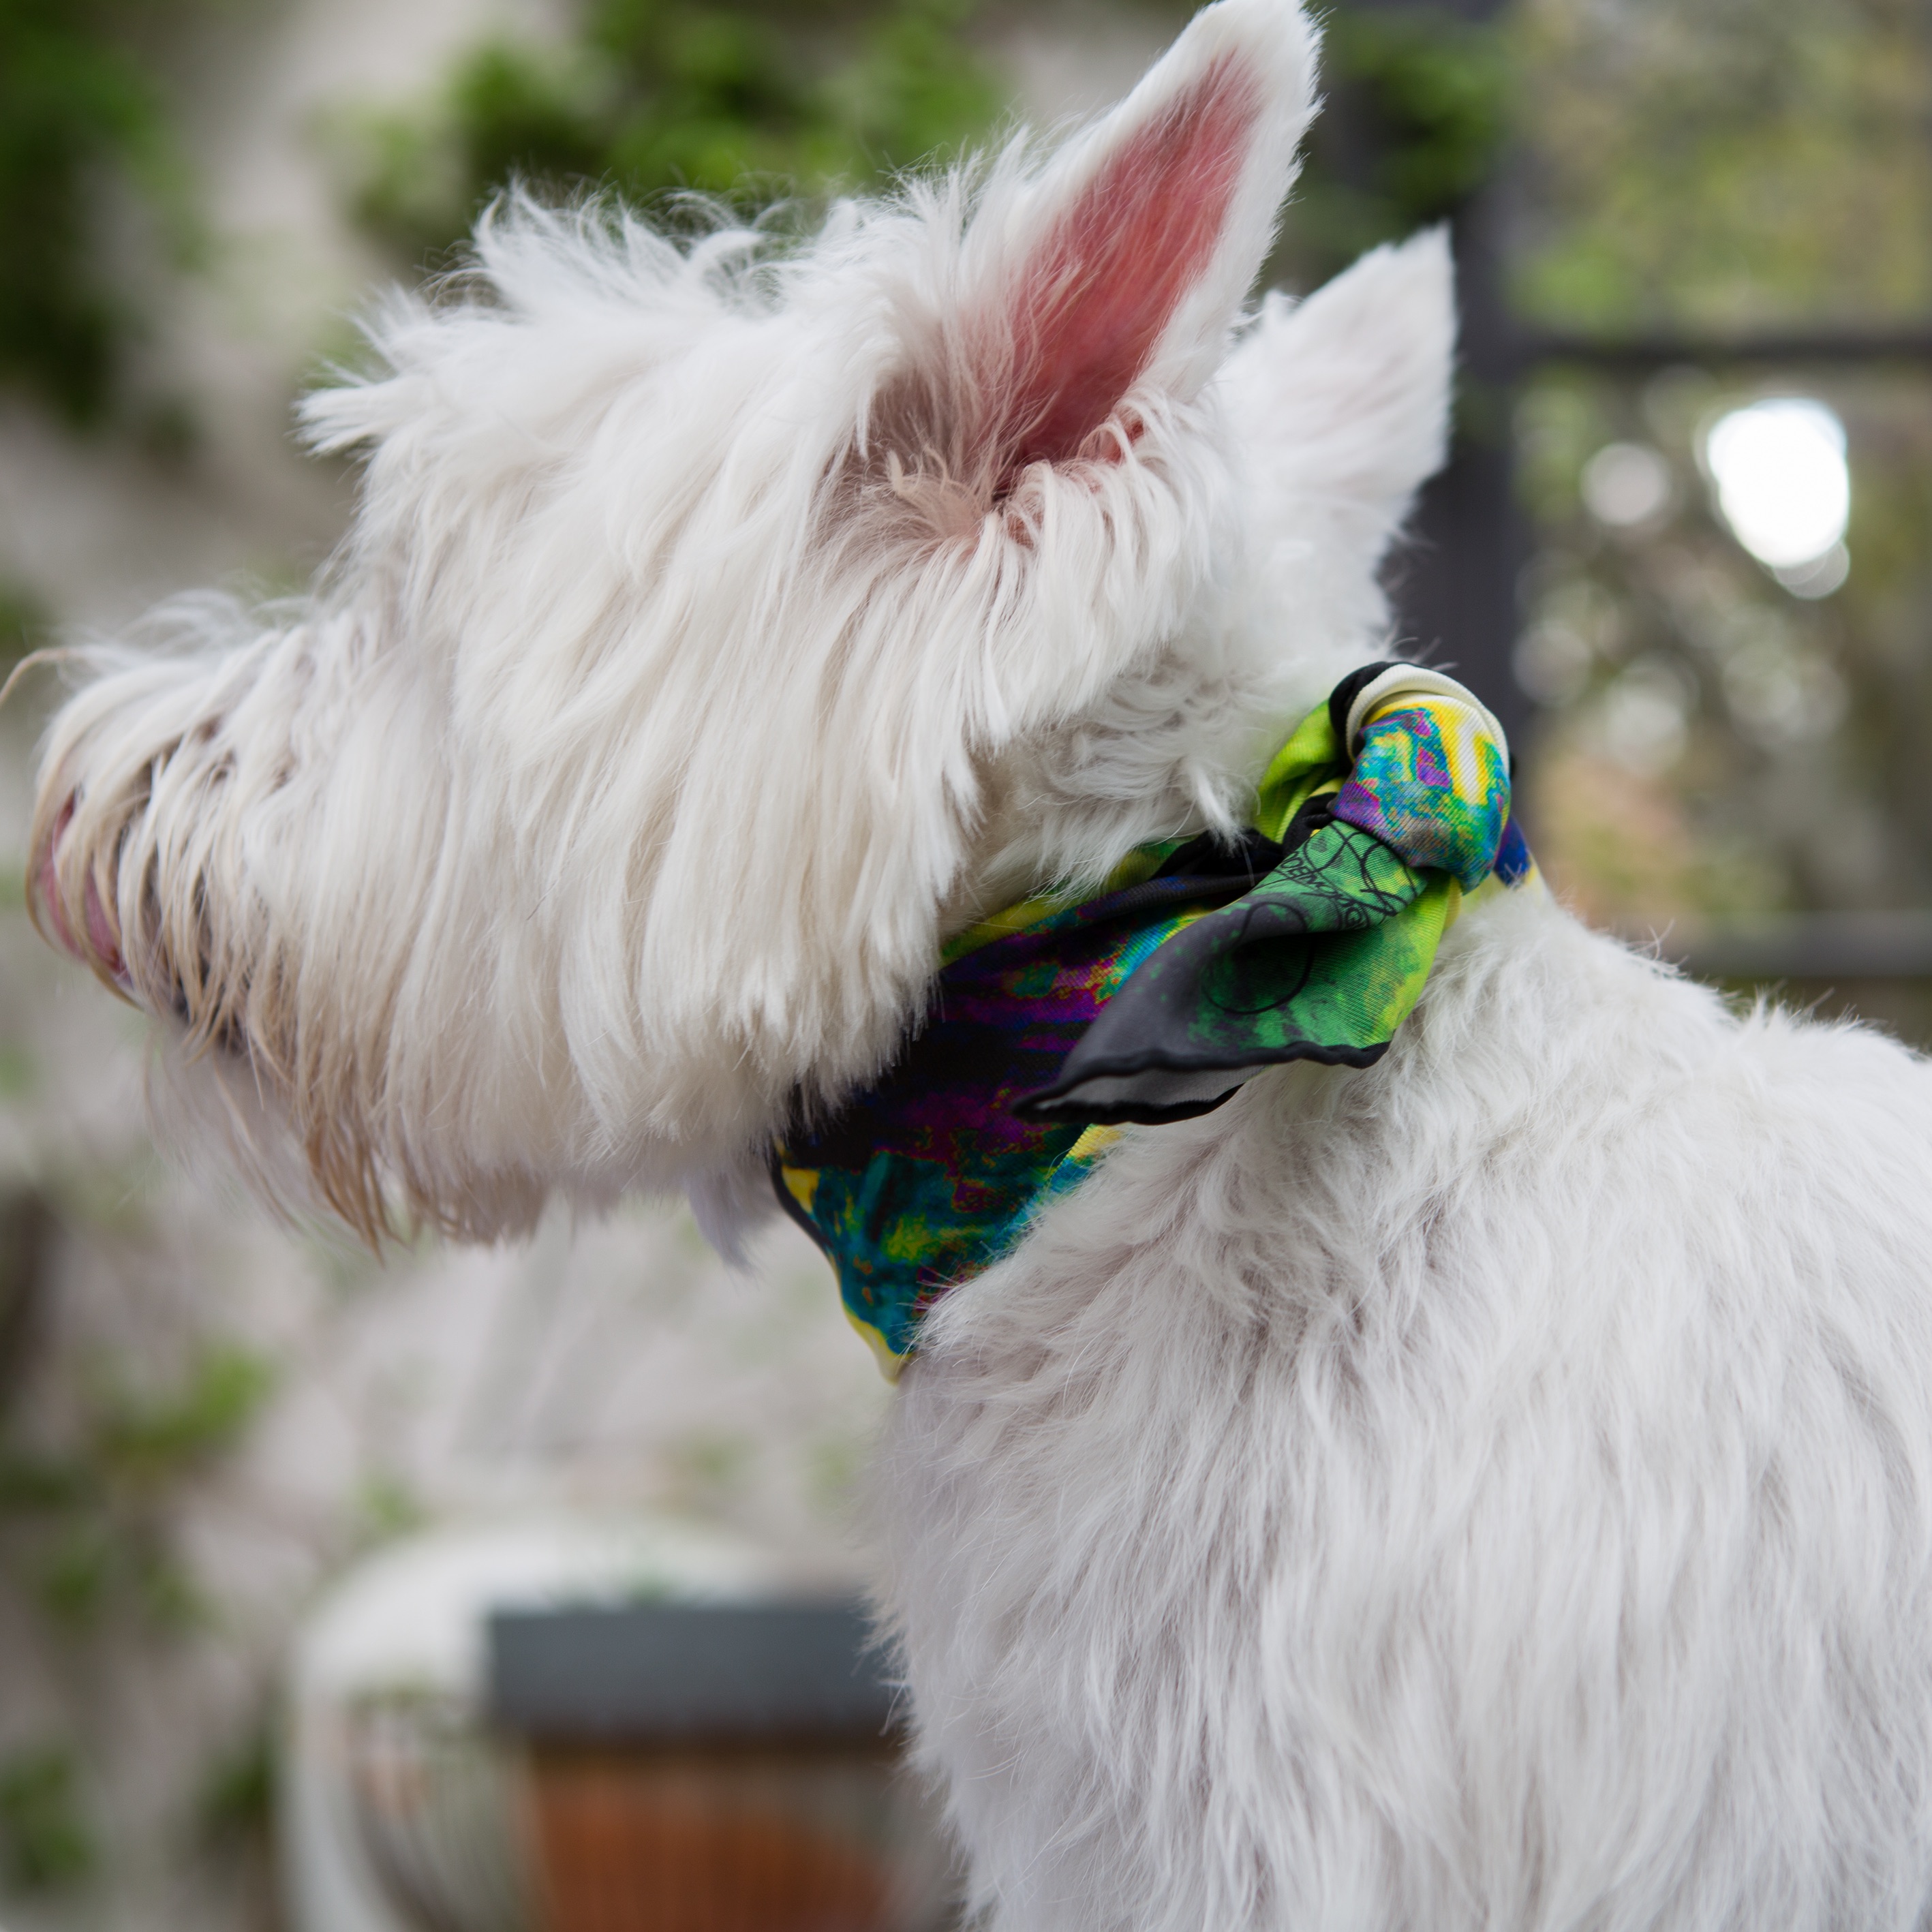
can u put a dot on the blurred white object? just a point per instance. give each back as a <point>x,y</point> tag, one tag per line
<point>1778,468</point>
<point>400,1642</point>
<point>1552,662</point>
<point>1626,484</point>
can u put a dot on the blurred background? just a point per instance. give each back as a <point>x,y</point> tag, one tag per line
<point>258,1495</point>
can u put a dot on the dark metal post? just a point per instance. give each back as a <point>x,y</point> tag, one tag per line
<point>1455,588</point>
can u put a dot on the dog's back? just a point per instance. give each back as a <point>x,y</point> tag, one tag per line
<point>1493,1489</point>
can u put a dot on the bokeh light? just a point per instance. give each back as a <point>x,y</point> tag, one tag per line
<point>1778,473</point>
<point>1627,484</point>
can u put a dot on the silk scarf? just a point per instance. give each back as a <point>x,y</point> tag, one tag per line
<point>1196,965</point>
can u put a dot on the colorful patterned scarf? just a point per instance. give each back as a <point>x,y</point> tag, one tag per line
<point>1196,965</point>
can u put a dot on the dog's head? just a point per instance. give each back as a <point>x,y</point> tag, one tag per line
<point>723,623</point>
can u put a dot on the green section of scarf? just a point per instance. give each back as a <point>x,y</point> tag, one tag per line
<point>1196,966</point>
<point>1326,954</point>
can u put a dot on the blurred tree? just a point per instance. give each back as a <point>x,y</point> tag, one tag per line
<point>1725,165</point>
<point>83,124</point>
<point>1717,742</point>
<point>24,621</point>
<point>745,99</point>
<point>1416,108</point>
<point>46,1843</point>
<point>1779,733</point>
<point>98,1450</point>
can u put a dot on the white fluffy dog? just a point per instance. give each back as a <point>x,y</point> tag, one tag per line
<point>1491,1489</point>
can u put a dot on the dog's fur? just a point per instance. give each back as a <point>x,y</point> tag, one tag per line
<point>1494,1490</point>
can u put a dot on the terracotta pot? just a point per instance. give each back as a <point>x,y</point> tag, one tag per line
<point>718,1840</point>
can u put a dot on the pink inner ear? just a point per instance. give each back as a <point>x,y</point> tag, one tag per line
<point>1091,305</point>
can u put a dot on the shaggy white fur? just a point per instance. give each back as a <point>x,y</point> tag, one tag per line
<point>1494,1490</point>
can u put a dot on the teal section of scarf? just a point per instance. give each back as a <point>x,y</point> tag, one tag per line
<point>1198,964</point>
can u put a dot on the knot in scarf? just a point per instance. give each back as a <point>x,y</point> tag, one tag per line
<point>1197,964</point>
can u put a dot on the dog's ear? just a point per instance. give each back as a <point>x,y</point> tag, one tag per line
<point>1342,402</point>
<point>1128,260</point>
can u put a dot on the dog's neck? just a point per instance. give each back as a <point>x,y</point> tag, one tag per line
<point>1062,1018</point>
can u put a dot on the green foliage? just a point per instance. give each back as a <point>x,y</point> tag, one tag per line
<point>147,1442</point>
<point>1726,166</point>
<point>654,96</point>
<point>385,1508</point>
<point>20,1071</point>
<point>45,1843</point>
<point>80,116</point>
<point>238,1797</point>
<point>913,90</point>
<point>1437,87</point>
<point>24,620</point>
<point>89,1521</point>
<point>98,1452</point>
<point>1417,107</point>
